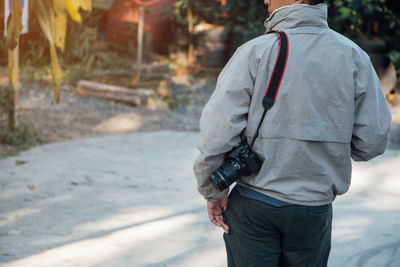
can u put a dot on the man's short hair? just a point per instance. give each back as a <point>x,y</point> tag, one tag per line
<point>314,2</point>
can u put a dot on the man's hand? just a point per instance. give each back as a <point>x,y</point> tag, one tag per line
<point>214,210</point>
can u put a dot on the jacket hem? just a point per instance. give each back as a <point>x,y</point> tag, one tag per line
<point>278,196</point>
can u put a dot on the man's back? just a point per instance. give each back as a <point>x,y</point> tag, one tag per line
<point>322,115</point>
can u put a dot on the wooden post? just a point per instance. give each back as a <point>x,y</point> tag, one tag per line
<point>140,45</point>
<point>191,42</point>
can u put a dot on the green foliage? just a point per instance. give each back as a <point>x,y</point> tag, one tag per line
<point>377,20</point>
<point>365,18</point>
<point>81,39</point>
<point>3,101</point>
<point>21,138</point>
<point>246,15</point>
<point>394,56</point>
<point>241,14</point>
<point>207,10</point>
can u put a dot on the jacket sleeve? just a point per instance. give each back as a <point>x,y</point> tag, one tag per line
<point>223,119</point>
<point>372,116</point>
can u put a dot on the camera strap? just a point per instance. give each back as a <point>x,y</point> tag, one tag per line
<point>276,78</point>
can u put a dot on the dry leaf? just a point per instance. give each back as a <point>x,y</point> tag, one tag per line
<point>31,187</point>
<point>14,25</point>
<point>60,30</point>
<point>72,7</point>
<point>46,18</point>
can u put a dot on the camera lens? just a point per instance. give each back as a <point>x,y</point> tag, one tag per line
<point>225,175</point>
<point>218,181</point>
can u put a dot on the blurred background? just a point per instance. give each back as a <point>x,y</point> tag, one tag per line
<point>137,74</point>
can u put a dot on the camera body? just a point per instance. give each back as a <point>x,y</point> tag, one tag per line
<point>240,161</point>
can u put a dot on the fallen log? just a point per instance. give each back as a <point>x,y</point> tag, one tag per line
<point>112,92</point>
<point>157,70</point>
<point>152,77</point>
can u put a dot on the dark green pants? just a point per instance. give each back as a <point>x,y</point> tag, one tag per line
<point>267,236</point>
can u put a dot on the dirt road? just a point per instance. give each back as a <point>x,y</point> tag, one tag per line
<point>131,200</point>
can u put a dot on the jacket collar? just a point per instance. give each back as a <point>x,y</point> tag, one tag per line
<point>299,15</point>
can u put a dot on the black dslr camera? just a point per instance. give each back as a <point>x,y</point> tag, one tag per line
<point>240,161</point>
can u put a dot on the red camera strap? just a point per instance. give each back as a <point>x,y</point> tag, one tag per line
<point>279,69</point>
<point>276,77</point>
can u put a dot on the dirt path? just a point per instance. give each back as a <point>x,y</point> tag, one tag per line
<point>131,200</point>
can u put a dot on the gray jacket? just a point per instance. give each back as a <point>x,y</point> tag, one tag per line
<point>330,108</point>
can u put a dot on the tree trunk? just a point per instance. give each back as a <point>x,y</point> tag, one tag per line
<point>10,93</point>
<point>12,89</point>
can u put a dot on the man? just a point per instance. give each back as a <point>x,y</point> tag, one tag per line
<point>329,108</point>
